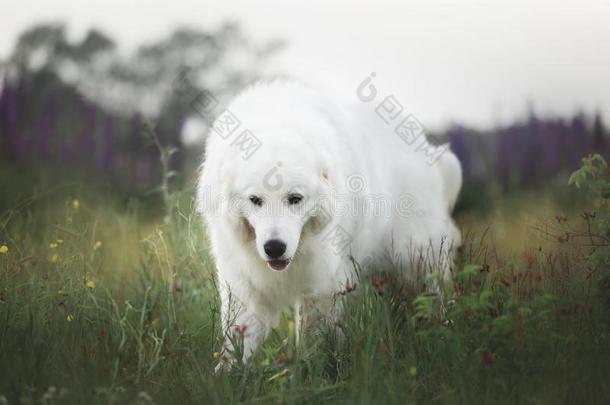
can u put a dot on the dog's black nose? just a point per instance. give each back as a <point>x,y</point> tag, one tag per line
<point>275,248</point>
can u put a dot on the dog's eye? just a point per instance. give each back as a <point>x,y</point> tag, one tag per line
<point>294,199</point>
<point>256,200</point>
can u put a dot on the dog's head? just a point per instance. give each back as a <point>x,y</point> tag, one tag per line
<point>276,202</point>
<point>277,197</point>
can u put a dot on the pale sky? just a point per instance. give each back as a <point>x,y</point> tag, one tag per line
<point>474,62</point>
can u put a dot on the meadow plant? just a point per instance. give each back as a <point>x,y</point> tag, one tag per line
<point>99,306</point>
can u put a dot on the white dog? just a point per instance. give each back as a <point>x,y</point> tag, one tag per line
<point>298,192</point>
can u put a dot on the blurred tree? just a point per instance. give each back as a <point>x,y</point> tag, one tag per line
<point>94,43</point>
<point>38,47</point>
<point>84,104</point>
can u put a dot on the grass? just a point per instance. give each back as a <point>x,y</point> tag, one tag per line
<point>100,306</point>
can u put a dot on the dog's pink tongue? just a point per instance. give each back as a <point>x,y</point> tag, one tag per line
<point>278,265</point>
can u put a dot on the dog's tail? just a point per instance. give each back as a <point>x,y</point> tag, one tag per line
<point>451,172</point>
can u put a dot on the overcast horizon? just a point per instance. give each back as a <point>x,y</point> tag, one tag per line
<point>474,63</point>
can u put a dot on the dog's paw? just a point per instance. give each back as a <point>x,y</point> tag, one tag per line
<point>224,365</point>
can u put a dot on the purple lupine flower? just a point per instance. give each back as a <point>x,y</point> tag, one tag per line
<point>45,130</point>
<point>579,144</point>
<point>5,96</point>
<point>9,117</point>
<point>531,152</point>
<point>599,137</point>
<point>144,170</point>
<point>459,146</point>
<point>86,141</point>
<point>106,156</point>
<point>503,157</point>
<point>549,156</point>
<point>134,138</point>
<point>20,133</point>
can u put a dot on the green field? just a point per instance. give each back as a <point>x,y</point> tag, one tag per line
<point>99,303</point>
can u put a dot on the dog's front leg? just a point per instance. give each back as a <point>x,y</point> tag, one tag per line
<point>244,328</point>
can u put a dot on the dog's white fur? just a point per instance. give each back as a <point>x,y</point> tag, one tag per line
<point>338,158</point>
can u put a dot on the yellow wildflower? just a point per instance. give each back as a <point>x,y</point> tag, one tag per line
<point>216,355</point>
<point>291,327</point>
<point>90,284</point>
<point>97,245</point>
<point>76,204</point>
<point>54,258</point>
<point>3,249</point>
<point>53,245</point>
<point>69,317</point>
